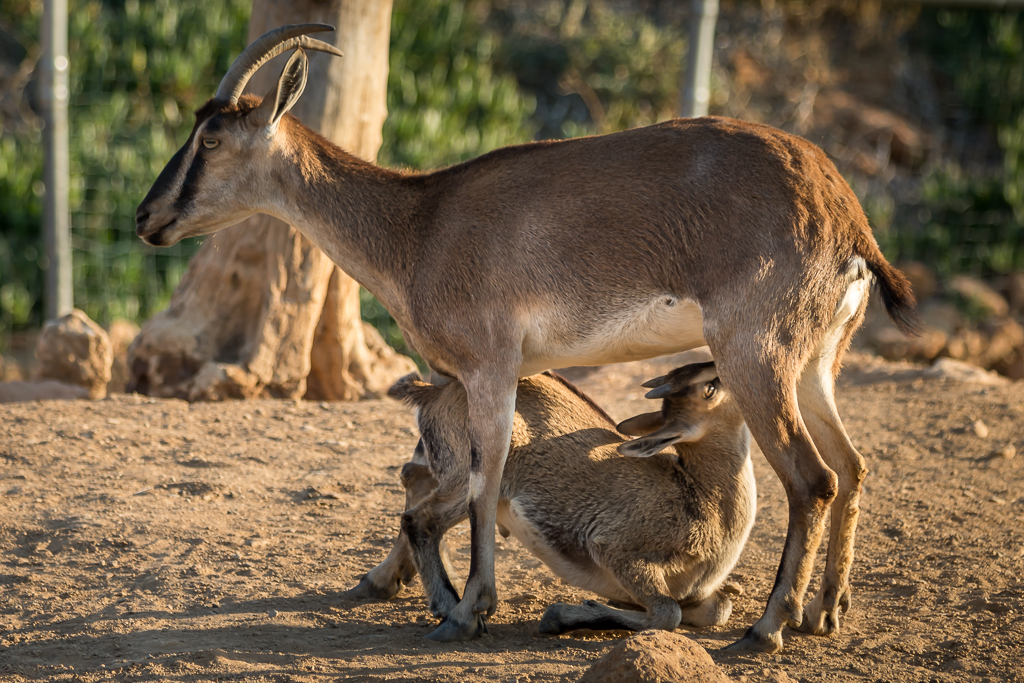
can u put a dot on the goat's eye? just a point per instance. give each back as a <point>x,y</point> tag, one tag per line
<point>210,143</point>
<point>709,390</point>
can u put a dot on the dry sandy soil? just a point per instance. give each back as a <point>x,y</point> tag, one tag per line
<point>149,539</point>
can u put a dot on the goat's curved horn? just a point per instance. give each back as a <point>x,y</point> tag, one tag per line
<point>661,391</point>
<point>265,48</point>
<point>656,382</point>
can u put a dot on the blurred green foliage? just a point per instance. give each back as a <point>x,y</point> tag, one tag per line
<point>465,77</point>
<point>133,85</point>
<point>594,68</point>
<point>446,102</point>
<point>969,213</point>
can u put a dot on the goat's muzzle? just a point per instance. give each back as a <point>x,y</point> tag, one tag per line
<point>144,228</point>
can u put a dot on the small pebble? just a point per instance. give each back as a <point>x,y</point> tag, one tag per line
<point>980,429</point>
<point>272,613</point>
<point>1007,452</point>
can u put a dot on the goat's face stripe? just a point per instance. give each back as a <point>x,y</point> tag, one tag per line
<point>170,177</point>
<point>190,184</point>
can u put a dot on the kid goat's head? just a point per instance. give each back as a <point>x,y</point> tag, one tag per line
<point>211,181</point>
<point>693,402</point>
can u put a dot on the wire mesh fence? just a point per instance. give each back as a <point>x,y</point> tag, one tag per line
<point>464,79</point>
<point>134,81</point>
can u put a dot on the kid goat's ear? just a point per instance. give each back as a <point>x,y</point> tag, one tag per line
<point>658,440</point>
<point>286,93</point>
<point>641,424</point>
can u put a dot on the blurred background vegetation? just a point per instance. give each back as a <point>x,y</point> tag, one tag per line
<point>922,108</point>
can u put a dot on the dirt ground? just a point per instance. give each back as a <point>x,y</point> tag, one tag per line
<point>147,539</point>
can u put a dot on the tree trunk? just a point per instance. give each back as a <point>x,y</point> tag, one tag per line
<point>261,311</point>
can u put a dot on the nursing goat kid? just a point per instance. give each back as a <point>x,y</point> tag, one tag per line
<point>597,250</point>
<point>660,531</point>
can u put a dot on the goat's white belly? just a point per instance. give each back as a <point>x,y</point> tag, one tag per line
<point>663,325</point>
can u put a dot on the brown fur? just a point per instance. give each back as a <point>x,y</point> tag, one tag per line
<point>667,528</point>
<point>545,254</point>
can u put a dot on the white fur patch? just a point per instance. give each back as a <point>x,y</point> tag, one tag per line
<point>476,485</point>
<point>662,325</point>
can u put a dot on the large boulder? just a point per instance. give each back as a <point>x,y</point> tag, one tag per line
<point>75,350</point>
<point>10,370</point>
<point>656,657</point>
<point>958,371</point>
<point>979,294</point>
<point>121,333</point>
<point>1013,287</point>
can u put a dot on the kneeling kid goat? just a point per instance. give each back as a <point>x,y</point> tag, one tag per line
<point>660,530</point>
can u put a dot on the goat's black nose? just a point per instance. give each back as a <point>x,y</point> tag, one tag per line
<point>141,217</point>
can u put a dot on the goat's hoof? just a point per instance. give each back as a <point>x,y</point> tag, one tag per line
<point>451,631</point>
<point>821,615</point>
<point>754,642</point>
<point>824,623</point>
<point>551,624</point>
<point>367,590</point>
<point>440,609</point>
<point>845,599</point>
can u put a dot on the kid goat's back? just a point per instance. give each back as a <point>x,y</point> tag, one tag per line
<point>661,530</point>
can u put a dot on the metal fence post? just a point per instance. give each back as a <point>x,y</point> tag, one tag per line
<point>53,85</point>
<point>696,91</point>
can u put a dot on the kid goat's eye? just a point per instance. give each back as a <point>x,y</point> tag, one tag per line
<point>709,390</point>
<point>210,143</point>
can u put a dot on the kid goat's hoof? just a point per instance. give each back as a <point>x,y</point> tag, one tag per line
<point>451,631</point>
<point>551,623</point>
<point>824,623</point>
<point>367,590</point>
<point>753,642</point>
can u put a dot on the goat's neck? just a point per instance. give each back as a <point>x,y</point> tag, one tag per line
<point>718,457</point>
<point>359,214</point>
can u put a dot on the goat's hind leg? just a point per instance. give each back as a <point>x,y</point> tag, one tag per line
<point>817,404</point>
<point>648,588</point>
<point>763,382</point>
<point>385,581</point>
<point>713,610</point>
<point>661,612</point>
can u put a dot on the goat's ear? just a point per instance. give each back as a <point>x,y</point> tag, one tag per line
<point>641,424</point>
<point>285,94</point>
<point>649,445</point>
<point>659,440</point>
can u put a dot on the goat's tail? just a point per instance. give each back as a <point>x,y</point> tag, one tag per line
<point>893,286</point>
<point>411,389</point>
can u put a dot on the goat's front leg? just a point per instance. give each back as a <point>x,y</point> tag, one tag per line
<point>492,402</point>
<point>385,581</point>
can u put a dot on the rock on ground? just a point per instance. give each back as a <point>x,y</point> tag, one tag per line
<point>656,657</point>
<point>121,333</point>
<point>75,350</point>
<point>947,368</point>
